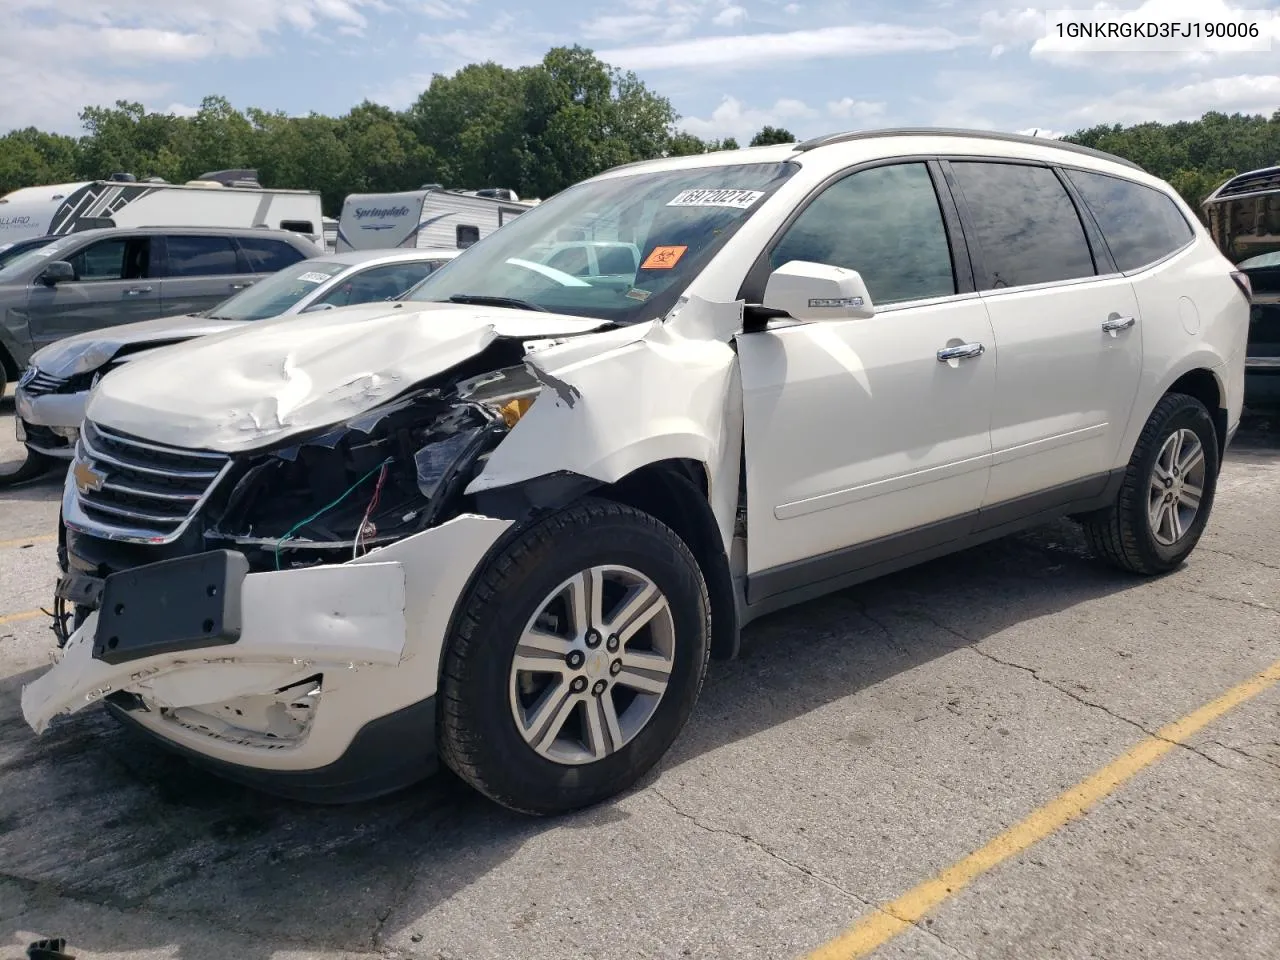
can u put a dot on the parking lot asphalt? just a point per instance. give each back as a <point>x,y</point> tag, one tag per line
<point>862,745</point>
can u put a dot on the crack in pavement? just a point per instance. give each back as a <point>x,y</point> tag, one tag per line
<point>806,871</point>
<point>762,847</point>
<point>1240,751</point>
<point>1255,604</point>
<point>1237,557</point>
<point>975,647</point>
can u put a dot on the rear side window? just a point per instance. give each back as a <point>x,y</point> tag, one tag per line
<point>268,256</point>
<point>202,257</point>
<point>1140,225</point>
<point>466,235</point>
<point>886,224</point>
<point>1026,225</point>
<point>616,260</point>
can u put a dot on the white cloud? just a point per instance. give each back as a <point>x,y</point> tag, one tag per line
<point>791,47</point>
<point>857,111</point>
<point>733,119</point>
<point>41,85</point>
<point>729,16</point>
<point>505,40</point>
<point>443,9</point>
<point>1244,93</point>
<point>792,8</point>
<point>180,110</point>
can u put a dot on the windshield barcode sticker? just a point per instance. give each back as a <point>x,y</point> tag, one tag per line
<point>314,277</point>
<point>706,197</point>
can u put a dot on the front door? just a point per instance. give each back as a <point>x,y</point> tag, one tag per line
<point>862,443</point>
<point>113,285</point>
<point>1070,337</point>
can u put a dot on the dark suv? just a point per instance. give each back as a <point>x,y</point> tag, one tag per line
<point>99,278</point>
<point>1244,218</point>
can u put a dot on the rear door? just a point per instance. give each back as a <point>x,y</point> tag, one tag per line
<point>114,284</point>
<point>200,272</point>
<point>1068,331</point>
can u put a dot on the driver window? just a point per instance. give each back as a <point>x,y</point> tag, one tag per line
<point>116,259</point>
<point>886,224</point>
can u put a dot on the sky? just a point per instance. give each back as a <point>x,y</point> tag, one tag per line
<point>728,66</point>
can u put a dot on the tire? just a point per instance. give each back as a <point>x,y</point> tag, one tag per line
<point>35,465</point>
<point>1126,535</point>
<point>485,701</point>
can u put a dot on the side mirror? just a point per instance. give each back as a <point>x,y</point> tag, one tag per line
<point>59,271</point>
<point>317,307</point>
<point>818,291</point>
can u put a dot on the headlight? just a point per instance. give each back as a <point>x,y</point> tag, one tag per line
<point>510,392</point>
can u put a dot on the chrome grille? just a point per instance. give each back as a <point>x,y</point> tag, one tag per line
<point>136,489</point>
<point>37,384</point>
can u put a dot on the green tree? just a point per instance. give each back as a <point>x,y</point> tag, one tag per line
<point>30,158</point>
<point>768,135</point>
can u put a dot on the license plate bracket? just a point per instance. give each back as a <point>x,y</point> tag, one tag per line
<point>189,603</point>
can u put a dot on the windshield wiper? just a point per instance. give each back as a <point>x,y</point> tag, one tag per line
<point>481,300</point>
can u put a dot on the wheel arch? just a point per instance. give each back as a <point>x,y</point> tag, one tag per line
<point>1200,377</point>
<point>675,491</point>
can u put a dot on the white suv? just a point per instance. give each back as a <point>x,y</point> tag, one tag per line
<point>508,521</point>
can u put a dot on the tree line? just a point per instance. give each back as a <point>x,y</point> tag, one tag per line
<point>535,129</point>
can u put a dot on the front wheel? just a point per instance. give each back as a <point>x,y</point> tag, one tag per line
<point>576,659</point>
<point>1167,494</point>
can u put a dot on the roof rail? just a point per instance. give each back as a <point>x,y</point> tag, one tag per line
<point>957,132</point>
<point>1251,182</point>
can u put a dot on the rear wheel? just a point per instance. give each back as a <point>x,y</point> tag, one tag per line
<point>576,660</point>
<point>1167,494</point>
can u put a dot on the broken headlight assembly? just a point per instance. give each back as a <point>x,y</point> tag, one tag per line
<point>376,479</point>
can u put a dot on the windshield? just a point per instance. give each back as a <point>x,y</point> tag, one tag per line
<point>17,258</point>
<point>620,249</point>
<point>273,295</point>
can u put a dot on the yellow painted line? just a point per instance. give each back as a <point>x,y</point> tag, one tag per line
<point>29,541</point>
<point>19,617</point>
<point>891,919</point>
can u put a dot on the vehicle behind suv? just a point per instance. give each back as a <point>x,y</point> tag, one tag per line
<point>99,278</point>
<point>508,521</point>
<point>50,398</point>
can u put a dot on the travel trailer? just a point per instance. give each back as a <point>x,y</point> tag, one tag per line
<point>224,198</point>
<point>429,217</point>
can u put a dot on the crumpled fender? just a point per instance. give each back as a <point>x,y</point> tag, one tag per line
<point>617,401</point>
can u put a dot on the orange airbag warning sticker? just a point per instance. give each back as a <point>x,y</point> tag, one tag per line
<point>663,258</point>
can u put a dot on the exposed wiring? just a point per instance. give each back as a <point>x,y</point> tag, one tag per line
<point>325,509</point>
<point>373,504</point>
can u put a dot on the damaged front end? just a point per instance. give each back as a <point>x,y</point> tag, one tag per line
<point>222,597</point>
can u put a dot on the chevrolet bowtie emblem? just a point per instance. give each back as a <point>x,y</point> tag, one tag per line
<point>87,478</point>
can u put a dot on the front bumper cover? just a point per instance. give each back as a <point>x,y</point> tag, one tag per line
<point>49,423</point>
<point>372,630</point>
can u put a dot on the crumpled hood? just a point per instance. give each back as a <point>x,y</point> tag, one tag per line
<point>85,352</point>
<point>249,387</point>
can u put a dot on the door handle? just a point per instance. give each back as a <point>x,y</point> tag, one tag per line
<point>1115,323</point>
<point>241,286</point>
<point>965,351</point>
<point>136,291</point>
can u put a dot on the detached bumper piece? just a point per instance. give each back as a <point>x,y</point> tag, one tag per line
<point>191,603</point>
<point>49,950</point>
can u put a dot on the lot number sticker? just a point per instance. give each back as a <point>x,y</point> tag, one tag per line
<point>663,258</point>
<point>705,197</point>
<point>315,277</point>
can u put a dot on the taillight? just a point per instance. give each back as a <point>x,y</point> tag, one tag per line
<point>1242,281</point>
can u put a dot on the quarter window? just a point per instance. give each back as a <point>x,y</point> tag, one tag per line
<point>202,257</point>
<point>1026,225</point>
<point>1140,225</point>
<point>886,224</point>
